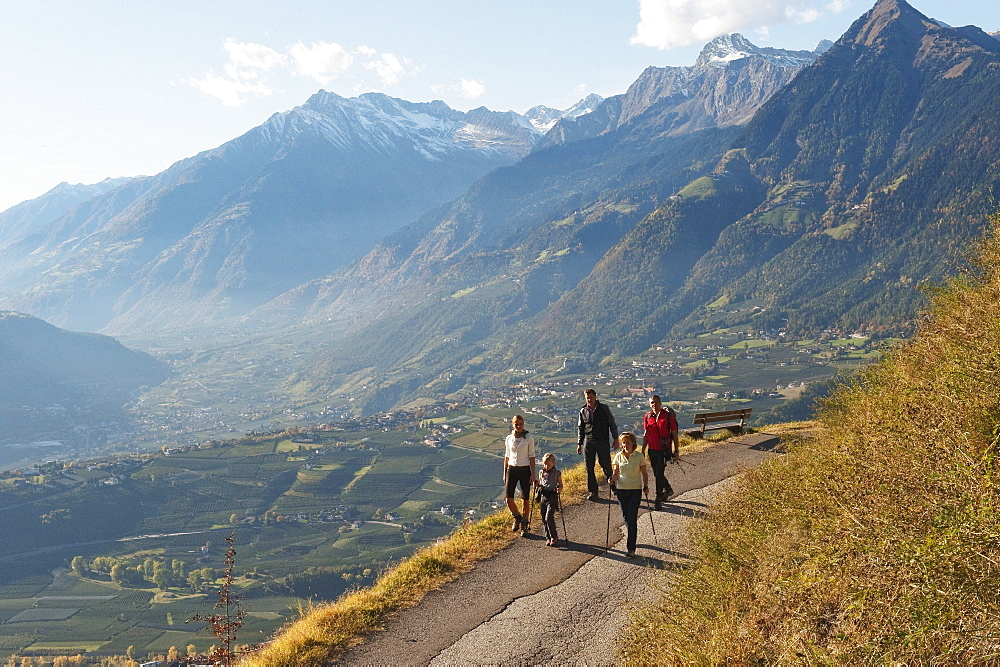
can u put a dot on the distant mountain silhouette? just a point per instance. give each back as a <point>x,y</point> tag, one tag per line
<point>60,385</point>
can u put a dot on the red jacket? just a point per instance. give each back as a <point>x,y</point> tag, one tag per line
<point>656,429</point>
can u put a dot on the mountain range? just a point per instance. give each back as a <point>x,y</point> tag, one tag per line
<point>226,230</point>
<point>306,193</point>
<point>863,178</point>
<point>759,188</point>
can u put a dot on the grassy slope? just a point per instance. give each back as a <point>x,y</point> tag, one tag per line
<point>877,541</point>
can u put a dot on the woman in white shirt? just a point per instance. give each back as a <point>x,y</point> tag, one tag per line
<point>519,469</point>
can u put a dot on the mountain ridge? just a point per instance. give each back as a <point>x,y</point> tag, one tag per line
<point>220,232</point>
<point>714,92</point>
<point>833,204</point>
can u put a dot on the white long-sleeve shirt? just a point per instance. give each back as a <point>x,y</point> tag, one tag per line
<point>520,451</point>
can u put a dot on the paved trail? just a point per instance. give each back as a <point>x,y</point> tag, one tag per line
<point>532,604</point>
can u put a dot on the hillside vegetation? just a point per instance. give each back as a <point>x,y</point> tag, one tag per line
<point>877,541</point>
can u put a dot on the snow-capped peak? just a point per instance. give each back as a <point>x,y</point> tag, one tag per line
<point>378,122</point>
<point>544,118</point>
<point>725,49</point>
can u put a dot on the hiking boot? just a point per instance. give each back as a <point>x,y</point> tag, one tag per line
<point>658,505</point>
<point>525,527</point>
<point>593,496</point>
<point>516,525</point>
<point>630,554</point>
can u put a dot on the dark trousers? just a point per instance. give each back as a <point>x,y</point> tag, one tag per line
<point>549,505</point>
<point>630,499</point>
<point>658,461</point>
<point>601,452</point>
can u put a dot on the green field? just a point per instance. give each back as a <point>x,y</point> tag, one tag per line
<point>299,520</point>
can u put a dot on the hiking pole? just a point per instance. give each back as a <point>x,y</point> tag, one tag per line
<point>562,515</point>
<point>607,535</point>
<point>651,523</point>
<point>531,506</point>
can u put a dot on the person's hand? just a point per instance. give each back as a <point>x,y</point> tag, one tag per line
<point>579,449</point>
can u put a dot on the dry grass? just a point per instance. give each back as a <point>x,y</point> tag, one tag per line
<point>876,539</point>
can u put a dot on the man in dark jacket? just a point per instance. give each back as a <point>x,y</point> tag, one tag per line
<point>595,422</point>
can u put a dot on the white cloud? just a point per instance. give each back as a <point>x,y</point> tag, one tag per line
<point>471,89</point>
<point>247,55</point>
<point>665,24</point>
<point>252,67</point>
<point>388,68</point>
<point>322,61</point>
<point>242,73</point>
<point>231,92</point>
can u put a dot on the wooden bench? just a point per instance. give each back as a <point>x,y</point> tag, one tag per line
<point>711,421</point>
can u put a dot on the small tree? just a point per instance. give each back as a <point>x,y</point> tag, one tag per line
<point>161,577</point>
<point>226,625</point>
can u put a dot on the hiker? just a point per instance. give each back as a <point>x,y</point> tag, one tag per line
<point>629,480</point>
<point>594,424</point>
<point>549,485</point>
<point>660,443</point>
<point>519,469</point>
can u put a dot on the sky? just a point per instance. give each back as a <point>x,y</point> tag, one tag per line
<point>109,88</point>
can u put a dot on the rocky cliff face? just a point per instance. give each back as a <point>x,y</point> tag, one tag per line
<point>728,83</point>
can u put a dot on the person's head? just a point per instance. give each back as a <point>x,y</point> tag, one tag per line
<point>591,395</point>
<point>627,440</point>
<point>655,403</point>
<point>517,423</point>
<point>549,461</point>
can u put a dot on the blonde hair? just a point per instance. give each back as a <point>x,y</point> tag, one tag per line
<point>548,456</point>
<point>628,435</point>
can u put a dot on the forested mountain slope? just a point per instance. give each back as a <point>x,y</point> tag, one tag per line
<point>863,178</point>
<point>876,167</point>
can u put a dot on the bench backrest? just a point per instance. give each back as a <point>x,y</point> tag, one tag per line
<point>725,415</point>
